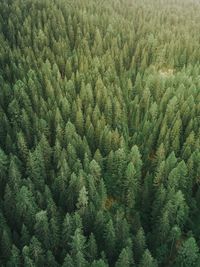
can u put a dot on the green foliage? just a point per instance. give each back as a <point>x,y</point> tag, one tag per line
<point>188,253</point>
<point>123,259</point>
<point>99,133</point>
<point>147,260</point>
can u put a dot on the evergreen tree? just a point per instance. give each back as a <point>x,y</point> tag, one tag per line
<point>188,253</point>
<point>41,228</point>
<point>139,244</point>
<point>110,240</point>
<point>147,260</point>
<point>68,262</point>
<point>14,260</point>
<point>78,248</point>
<point>92,248</point>
<point>123,259</point>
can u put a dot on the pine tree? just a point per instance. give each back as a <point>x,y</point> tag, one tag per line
<point>25,236</point>
<point>14,260</point>
<point>68,262</point>
<point>3,169</point>
<point>79,122</point>
<point>27,261</point>
<point>78,248</point>
<point>123,259</point>
<point>147,260</point>
<point>36,252</point>
<point>99,263</point>
<point>92,248</point>
<point>139,244</point>
<point>131,187</point>
<point>26,207</point>
<point>50,260</point>
<point>41,227</point>
<point>188,253</point>
<point>22,146</point>
<point>82,200</point>
<point>6,245</point>
<point>110,238</point>
<point>66,232</point>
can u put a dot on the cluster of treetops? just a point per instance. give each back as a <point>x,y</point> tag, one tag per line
<point>99,133</point>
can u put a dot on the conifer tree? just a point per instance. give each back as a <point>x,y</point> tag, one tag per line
<point>188,253</point>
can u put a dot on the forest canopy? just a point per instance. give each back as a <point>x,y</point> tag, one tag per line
<point>99,133</point>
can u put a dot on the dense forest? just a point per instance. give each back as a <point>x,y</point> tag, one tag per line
<point>99,133</point>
